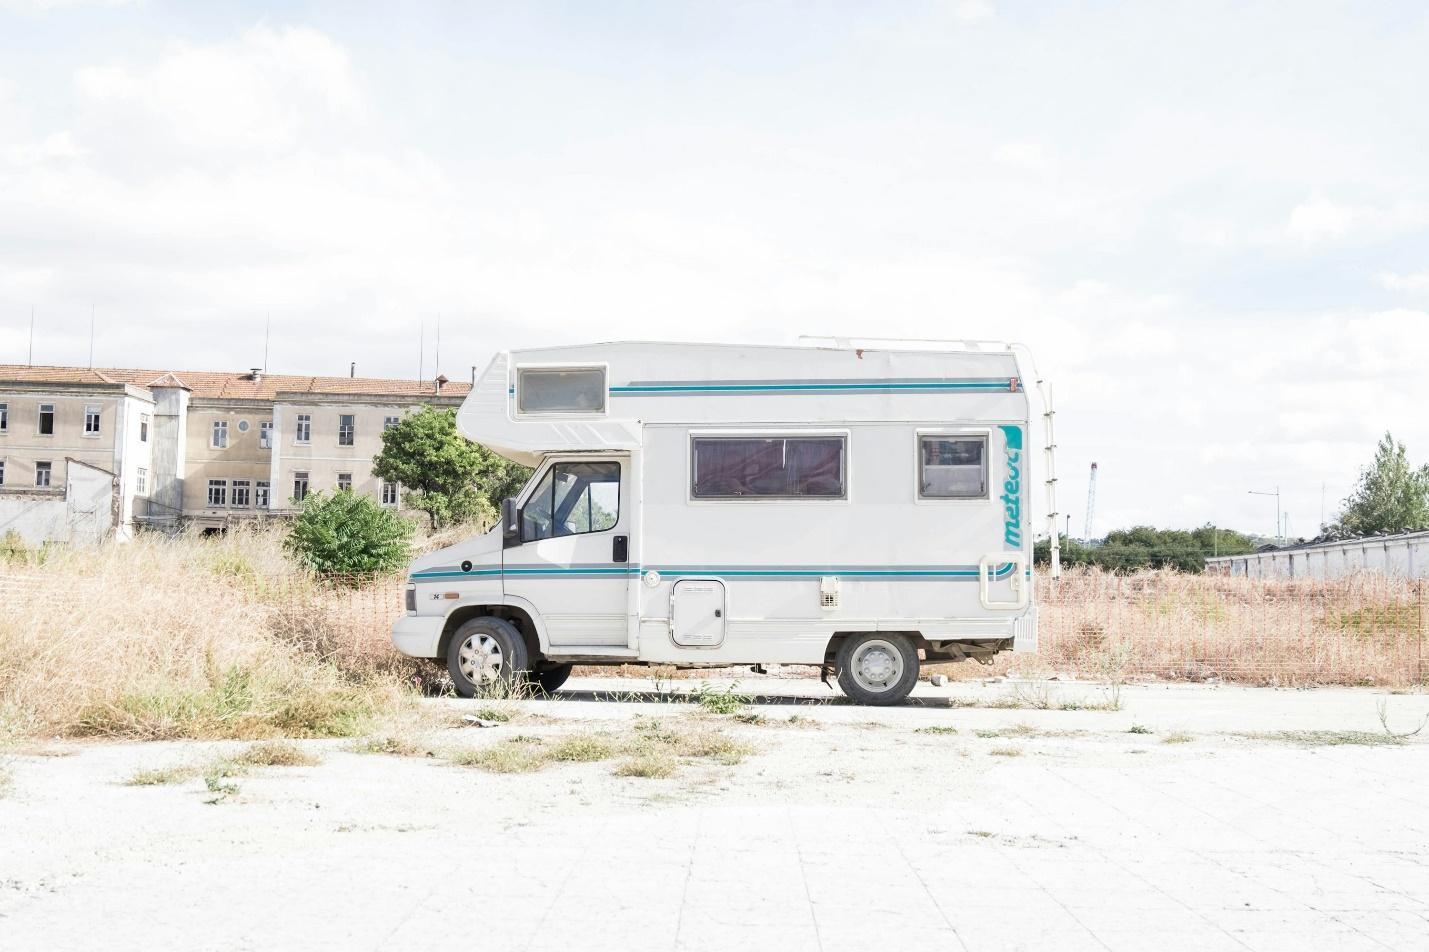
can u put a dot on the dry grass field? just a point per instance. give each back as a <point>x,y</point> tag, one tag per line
<point>226,638</point>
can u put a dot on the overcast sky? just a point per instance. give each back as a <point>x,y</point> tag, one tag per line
<point>1210,221</point>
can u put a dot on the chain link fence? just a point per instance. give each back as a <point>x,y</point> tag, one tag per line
<point>1364,630</point>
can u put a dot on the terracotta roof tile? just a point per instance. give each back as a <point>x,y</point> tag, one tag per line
<point>230,385</point>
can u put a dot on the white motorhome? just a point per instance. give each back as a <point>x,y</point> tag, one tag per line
<point>710,505</point>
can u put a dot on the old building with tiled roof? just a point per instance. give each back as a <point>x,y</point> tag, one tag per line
<point>177,447</point>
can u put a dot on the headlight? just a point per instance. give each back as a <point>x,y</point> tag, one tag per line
<point>411,598</point>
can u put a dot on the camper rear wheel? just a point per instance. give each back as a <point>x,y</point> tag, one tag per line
<point>877,668</point>
<point>487,654</point>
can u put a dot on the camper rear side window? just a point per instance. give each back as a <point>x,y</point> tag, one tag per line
<point>952,467</point>
<point>560,390</point>
<point>812,467</point>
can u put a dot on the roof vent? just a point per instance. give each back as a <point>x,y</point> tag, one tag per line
<point>256,373</point>
<point>441,382</point>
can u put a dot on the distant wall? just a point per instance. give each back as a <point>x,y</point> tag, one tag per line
<point>1403,556</point>
<point>84,512</point>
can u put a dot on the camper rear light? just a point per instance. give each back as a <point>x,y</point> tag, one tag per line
<point>411,598</point>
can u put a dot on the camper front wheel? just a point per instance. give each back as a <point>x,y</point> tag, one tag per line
<point>877,668</point>
<point>484,653</point>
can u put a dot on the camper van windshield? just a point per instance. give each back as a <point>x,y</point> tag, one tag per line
<point>573,498</point>
<point>780,467</point>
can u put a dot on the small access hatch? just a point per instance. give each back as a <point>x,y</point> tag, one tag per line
<point>697,612</point>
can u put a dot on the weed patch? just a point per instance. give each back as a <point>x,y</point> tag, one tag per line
<point>278,753</point>
<point>726,701</point>
<point>1326,738</point>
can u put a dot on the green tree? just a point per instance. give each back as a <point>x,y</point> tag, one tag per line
<point>349,534</point>
<point>1392,496</point>
<point>445,475</point>
<point>1145,547</point>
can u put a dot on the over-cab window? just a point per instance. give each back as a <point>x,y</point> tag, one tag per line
<point>804,467</point>
<point>571,499</point>
<point>952,467</point>
<point>560,389</point>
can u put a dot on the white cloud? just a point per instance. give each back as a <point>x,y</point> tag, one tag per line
<point>1321,220</point>
<point>1391,281</point>
<point>45,6</point>
<point>257,92</point>
<point>973,10</point>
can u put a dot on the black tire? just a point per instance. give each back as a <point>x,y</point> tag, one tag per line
<point>550,678</point>
<point>482,635</point>
<point>877,653</point>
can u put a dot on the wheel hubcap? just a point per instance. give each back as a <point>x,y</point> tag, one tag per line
<point>877,665</point>
<point>480,659</point>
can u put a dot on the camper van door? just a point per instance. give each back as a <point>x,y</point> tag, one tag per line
<point>573,562</point>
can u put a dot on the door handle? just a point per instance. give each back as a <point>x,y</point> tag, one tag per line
<point>620,549</point>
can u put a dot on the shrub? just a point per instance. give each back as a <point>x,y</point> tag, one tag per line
<point>348,534</point>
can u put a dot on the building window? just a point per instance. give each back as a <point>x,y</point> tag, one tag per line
<point>300,487</point>
<point>47,419</point>
<point>144,420</point>
<point>4,417</point>
<point>346,428</point>
<point>952,467</point>
<point>217,492</point>
<point>304,431</point>
<point>260,494</point>
<point>344,482</point>
<point>240,493</point>
<point>778,467</point>
<point>220,435</point>
<point>2,472</point>
<point>571,499</point>
<point>389,494</point>
<point>561,390</point>
<point>141,481</point>
<point>91,421</point>
<point>42,474</point>
<point>265,435</point>
<point>389,422</point>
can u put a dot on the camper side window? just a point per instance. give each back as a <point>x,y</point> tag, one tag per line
<point>572,499</point>
<point>952,467</point>
<point>560,390</point>
<point>772,468</point>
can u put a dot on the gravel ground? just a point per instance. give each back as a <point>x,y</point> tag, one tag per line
<point>1192,817</point>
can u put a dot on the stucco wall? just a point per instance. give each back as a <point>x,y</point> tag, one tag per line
<point>83,512</point>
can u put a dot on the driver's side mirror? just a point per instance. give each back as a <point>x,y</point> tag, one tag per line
<point>510,523</point>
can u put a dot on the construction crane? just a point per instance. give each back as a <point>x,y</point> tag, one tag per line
<point>1091,504</point>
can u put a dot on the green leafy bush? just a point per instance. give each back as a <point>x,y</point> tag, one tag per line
<point>348,534</point>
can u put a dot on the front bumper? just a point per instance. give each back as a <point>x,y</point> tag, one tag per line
<point>418,635</point>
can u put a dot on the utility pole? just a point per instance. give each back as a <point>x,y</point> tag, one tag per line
<point>1091,504</point>
<point>1255,492</point>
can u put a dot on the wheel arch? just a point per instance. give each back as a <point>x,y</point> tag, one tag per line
<point>516,611</point>
<point>837,639</point>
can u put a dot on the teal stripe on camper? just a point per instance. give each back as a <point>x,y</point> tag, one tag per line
<point>905,385</point>
<point>902,572</point>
